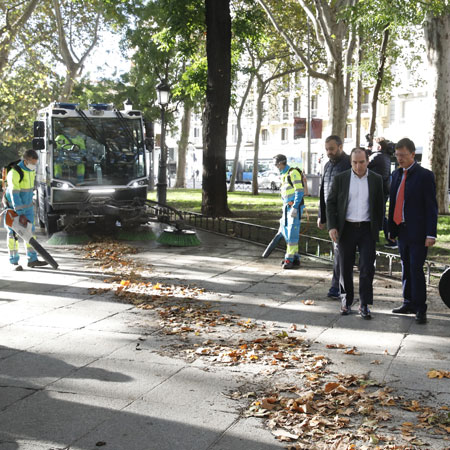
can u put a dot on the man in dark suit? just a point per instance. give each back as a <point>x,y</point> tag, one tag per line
<point>355,211</point>
<point>338,161</point>
<point>413,216</point>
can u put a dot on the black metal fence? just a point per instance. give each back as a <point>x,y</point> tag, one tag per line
<point>388,264</point>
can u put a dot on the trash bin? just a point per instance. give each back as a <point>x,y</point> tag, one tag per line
<point>314,184</point>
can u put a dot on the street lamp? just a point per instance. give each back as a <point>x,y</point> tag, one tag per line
<point>163,90</point>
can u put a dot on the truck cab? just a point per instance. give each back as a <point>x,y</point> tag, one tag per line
<point>94,166</point>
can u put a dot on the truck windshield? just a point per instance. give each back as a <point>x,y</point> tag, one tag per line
<point>99,151</point>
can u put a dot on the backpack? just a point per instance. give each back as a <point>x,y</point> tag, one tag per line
<point>12,165</point>
<point>302,177</point>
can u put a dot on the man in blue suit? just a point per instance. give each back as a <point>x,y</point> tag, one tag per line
<point>413,214</point>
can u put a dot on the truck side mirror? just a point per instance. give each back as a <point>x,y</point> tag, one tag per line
<point>39,129</point>
<point>38,144</point>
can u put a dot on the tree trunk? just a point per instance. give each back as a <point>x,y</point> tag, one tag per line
<point>182,146</point>
<point>259,116</point>
<point>239,131</point>
<point>380,75</point>
<point>71,75</point>
<point>218,92</point>
<point>437,37</point>
<point>358,93</point>
<point>338,107</point>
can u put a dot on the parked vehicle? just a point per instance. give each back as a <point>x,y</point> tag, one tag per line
<point>270,179</point>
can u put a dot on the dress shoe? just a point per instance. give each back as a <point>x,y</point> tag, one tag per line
<point>421,318</point>
<point>37,263</point>
<point>364,312</point>
<point>404,309</point>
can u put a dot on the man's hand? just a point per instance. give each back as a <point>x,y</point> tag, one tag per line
<point>334,235</point>
<point>294,212</point>
<point>320,225</point>
<point>429,242</point>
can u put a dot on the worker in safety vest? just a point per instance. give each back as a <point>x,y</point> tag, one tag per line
<point>19,196</point>
<point>292,192</point>
<point>66,143</point>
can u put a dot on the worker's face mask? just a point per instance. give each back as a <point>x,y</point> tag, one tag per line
<point>30,165</point>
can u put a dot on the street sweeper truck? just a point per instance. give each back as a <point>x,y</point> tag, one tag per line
<point>94,167</point>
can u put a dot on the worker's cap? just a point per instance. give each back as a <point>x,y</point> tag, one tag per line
<point>280,159</point>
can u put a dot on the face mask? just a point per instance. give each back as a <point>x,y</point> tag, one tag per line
<point>31,166</point>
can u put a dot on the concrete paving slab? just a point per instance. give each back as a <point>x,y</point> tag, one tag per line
<point>130,321</point>
<point>368,340</point>
<point>427,347</point>
<point>90,343</point>
<point>29,370</point>
<point>196,388</point>
<point>116,378</point>
<point>412,374</point>
<point>21,337</point>
<point>10,395</point>
<point>157,426</point>
<point>247,434</point>
<point>56,419</point>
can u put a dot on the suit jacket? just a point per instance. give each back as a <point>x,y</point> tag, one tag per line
<point>337,202</point>
<point>420,207</point>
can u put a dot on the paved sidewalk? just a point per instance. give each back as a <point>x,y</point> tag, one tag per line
<point>81,371</point>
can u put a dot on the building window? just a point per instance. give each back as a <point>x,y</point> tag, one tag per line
<point>264,136</point>
<point>348,131</point>
<point>284,135</point>
<point>196,132</point>
<point>365,101</point>
<point>314,103</point>
<point>234,133</point>
<point>285,108</point>
<point>297,107</point>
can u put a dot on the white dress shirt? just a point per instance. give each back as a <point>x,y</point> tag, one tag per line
<point>358,199</point>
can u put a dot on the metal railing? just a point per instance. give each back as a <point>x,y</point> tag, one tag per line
<point>388,264</point>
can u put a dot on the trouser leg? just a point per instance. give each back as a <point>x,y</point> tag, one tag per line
<point>403,249</point>
<point>12,243</point>
<point>347,250</point>
<point>417,256</point>
<point>335,281</point>
<point>366,246</point>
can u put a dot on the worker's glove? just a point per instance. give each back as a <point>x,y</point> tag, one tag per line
<point>294,212</point>
<point>23,220</point>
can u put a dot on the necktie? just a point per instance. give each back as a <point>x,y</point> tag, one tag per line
<point>398,211</point>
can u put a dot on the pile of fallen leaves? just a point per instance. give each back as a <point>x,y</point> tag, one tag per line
<point>108,255</point>
<point>338,414</point>
<point>278,350</point>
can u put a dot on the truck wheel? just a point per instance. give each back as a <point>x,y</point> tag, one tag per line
<point>50,225</point>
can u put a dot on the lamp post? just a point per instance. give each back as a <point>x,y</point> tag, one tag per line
<point>163,90</point>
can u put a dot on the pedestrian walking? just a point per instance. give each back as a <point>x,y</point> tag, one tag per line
<point>413,214</point>
<point>338,161</point>
<point>354,219</point>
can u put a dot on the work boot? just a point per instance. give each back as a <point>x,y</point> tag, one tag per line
<point>37,263</point>
<point>287,264</point>
<point>296,262</point>
<point>16,267</point>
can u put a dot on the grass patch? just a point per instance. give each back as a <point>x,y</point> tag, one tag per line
<point>265,209</point>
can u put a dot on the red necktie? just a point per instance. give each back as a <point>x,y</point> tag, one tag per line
<point>398,211</point>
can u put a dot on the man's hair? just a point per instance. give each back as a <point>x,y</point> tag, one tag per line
<point>30,154</point>
<point>406,143</point>
<point>359,149</point>
<point>280,158</point>
<point>335,138</point>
